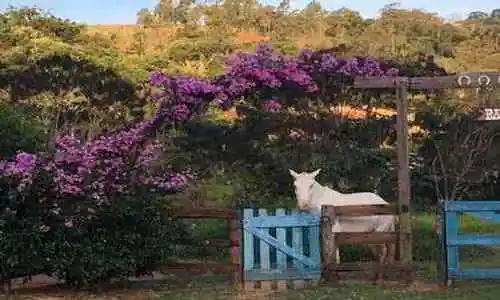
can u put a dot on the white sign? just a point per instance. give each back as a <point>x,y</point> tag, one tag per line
<point>491,114</point>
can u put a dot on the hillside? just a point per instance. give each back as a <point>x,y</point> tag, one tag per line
<point>397,33</point>
<point>124,37</point>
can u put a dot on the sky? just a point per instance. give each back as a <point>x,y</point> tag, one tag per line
<point>124,11</point>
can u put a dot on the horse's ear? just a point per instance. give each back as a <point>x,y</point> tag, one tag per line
<point>315,173</point>
<point>293,173</point>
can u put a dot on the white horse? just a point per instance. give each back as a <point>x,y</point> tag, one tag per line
<point>311,196</point>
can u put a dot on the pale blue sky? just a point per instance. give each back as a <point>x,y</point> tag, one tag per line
<point>124,11</point>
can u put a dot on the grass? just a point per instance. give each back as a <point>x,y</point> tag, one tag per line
<point>370,292</point>
<point>217,290</point>
<point>214,291</point>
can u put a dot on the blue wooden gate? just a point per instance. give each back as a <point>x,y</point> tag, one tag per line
<point>281,245</point>
<point>451,238</point>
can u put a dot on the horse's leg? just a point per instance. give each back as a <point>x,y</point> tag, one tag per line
<point>391,253</point>
<point>391,247</point>
<point>383,254</point>
<point>382,259</point>
<point>337,248</point>
<point>388,250</point>
<point>375,250</point>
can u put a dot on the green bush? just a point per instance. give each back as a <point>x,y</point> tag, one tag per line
<point>285,46</point>
<point>425,242</point>
<point>19,130</point>
<point>129,238</point>
<point>199,232</point>
<point>194,49</point>
<point>22,242</point>
<point>82,246</point>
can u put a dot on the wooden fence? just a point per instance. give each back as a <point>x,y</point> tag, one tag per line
<point>232,242</point>
<point>332,271</point>
<point>285,249</point>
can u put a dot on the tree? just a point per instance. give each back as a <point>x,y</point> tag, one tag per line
<point>181,11</point>
<point>495,13</point>
<point>165,11</point>
<point>146,17</point>
<point>477,15</point>
<point>284,6</point>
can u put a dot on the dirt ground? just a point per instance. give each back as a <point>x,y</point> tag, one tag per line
<point>48,288</point>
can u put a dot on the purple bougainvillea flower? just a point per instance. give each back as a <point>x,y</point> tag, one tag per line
<point>112,165</point>
<point>272,105</point>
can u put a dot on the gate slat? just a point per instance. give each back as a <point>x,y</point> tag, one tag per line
<point>248,250</point>
<point>298,245</point>
<point>265,255</point>
<point>314,242</point>
<point>281,263</point>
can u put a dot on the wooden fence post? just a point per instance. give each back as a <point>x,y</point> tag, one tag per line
<point>328,245</point>
<point>235,250</point>
<point>405,245</point>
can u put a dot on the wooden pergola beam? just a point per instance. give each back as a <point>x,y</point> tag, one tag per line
<point>461,80</point>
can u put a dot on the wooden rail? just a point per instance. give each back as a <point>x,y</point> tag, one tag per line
<point>201,268</point>
<point>367,238</point>
<point>461,80</point>
<point>215,242</point>
<point>204,213</point>
<point>369,210</point>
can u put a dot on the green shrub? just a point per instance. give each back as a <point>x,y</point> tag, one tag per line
<point>197,248</point>
<point>194,49</point>
<point>19,130</point>
<point>285,46</point>
<point>132,237</point>
<point>22,242</point>
<point>425,242</point>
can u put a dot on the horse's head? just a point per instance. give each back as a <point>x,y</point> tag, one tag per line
<point>303,183</point>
